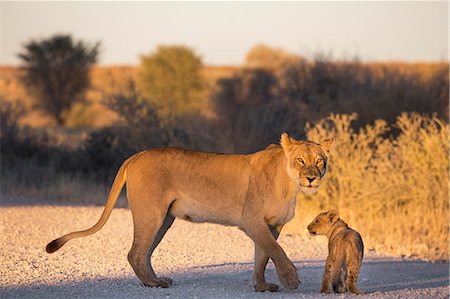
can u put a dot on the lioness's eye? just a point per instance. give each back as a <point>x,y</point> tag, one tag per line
<point>300,161</point>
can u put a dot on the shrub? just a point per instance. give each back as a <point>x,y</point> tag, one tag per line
<point>251,113</point>
<point>394,190</point>
<point>10,115</point>
<point>255,105</point>
<point>268,58</point>
<point>170,78</point>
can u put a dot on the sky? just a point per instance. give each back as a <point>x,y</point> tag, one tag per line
<point>223,32</point>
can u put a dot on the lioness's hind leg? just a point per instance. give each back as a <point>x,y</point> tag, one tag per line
<point>147,224</point>
<point>167,223</point>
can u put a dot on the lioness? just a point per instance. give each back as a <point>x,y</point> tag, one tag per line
<point>255,192</point>
<point>345,253</point>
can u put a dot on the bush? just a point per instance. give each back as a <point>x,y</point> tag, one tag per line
<point>251,112</point>
<point>170,78</point>
<point>255,105</point>
<point>373,92</point>
<point>268,58</point>
<point>143,128</point>
<point>393,190</point>
<point>10,115</point>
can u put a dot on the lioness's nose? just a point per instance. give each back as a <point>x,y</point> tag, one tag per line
<point>311,179</point>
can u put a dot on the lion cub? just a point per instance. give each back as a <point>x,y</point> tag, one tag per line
<point>345,253</point>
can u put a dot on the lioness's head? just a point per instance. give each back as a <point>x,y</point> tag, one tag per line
<point>323,222</point>
<point>307,161</point>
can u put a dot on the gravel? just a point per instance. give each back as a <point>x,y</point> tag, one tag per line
<point>204,260</point>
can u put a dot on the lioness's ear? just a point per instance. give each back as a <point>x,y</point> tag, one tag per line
<point>286,141</point>
<point>333,216</point>
<point>326,144</point>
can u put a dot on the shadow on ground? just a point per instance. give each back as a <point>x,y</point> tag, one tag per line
<point>234,281</point>
<point>6,201</point>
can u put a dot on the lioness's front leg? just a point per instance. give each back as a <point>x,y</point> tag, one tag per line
<point>259,232</point>
<point>261,259</point>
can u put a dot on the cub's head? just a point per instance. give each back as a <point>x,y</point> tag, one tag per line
<point>307,161</point>
<point>323,222</point>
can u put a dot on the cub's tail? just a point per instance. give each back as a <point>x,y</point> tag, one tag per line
<point>119,181</point>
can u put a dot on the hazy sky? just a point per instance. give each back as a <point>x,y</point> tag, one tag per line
<point>223,32</point>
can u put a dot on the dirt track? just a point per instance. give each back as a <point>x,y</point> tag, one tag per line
<point>205,261</point>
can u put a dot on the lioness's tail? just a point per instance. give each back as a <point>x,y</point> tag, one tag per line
<point>119,181</point>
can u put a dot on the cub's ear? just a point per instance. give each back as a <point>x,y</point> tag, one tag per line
<point>326,144</point>
<point>286,142</point>
<point>333,216</point>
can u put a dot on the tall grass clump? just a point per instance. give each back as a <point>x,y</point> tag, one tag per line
<point>391,184</point>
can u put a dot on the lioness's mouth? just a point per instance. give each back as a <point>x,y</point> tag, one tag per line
<point>308,189</point>
<point>310,186</point>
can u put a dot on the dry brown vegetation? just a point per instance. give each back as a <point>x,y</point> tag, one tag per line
<point>393,190</point>
<point>388,178</point>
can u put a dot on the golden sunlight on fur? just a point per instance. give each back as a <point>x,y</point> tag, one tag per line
<point>345,253</point>
<point>168,183</point>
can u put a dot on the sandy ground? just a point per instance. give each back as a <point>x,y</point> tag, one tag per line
<point>204,260</point>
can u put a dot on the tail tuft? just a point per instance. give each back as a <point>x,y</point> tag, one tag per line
<point>55,245</point>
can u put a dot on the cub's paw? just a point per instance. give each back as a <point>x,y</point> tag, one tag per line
<point>341,289</point>
<point>326,290</point>
<point>356,292</point>
<point>265,286</point>
<point>289,277</point>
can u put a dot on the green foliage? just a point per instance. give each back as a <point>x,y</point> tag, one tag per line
<point>57,72</point>
<point>170,78</point>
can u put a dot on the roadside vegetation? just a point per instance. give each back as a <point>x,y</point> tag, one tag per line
<point>388,171</point>
<point>390,183</point>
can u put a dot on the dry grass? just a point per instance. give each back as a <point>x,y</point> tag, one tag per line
<point>29,180</point>
<point>394,191</point>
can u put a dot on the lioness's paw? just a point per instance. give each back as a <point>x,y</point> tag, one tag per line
<point>264,286</point>
<point>289,277</point>
<point>162,282</point>
<point>165,282</point>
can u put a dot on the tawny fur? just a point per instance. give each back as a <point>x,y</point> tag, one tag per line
<point>254,192</point>
<point>345,253</point>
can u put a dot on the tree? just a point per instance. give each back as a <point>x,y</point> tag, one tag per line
<point>268,58</point>
<point>57,72</point>
<point>170,78</point>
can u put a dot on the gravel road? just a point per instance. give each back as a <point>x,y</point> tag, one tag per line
<point>204,260</point>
